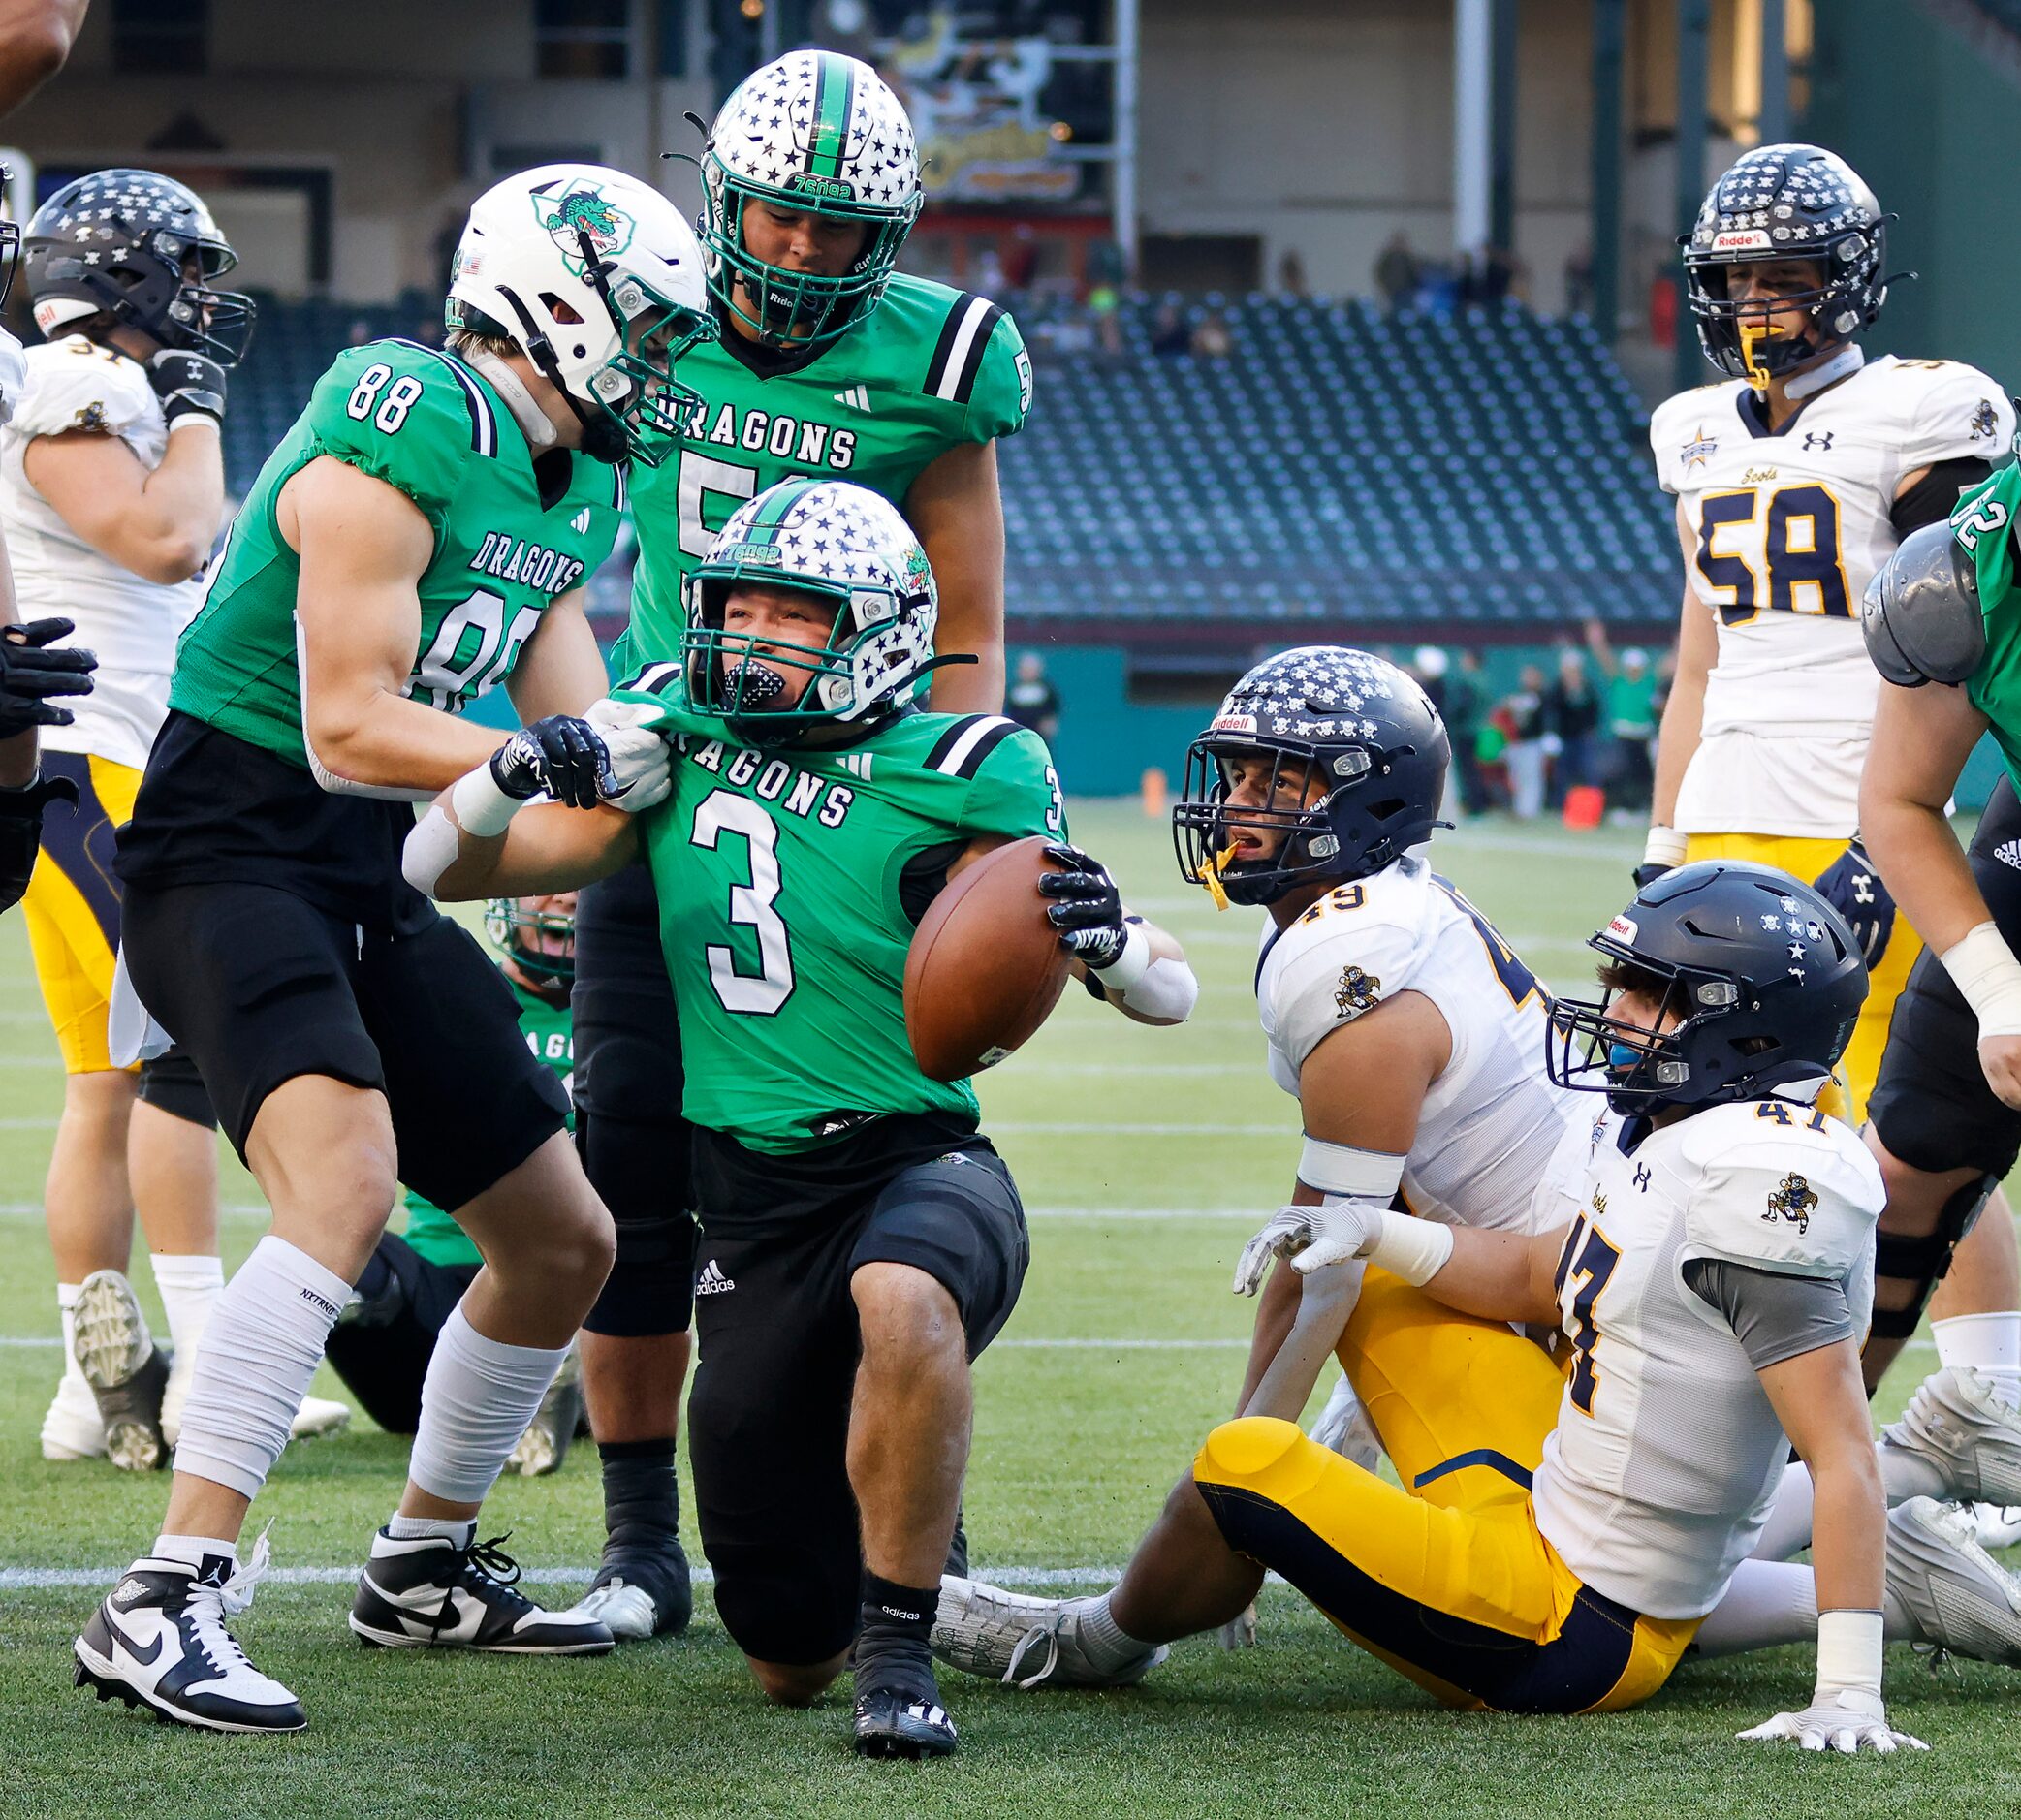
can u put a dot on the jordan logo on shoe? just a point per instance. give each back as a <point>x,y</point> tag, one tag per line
<point>713,1281</point>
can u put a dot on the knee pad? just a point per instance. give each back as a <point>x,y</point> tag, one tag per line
<point>171,1083</point>
<point>1926,1260</point>
<point>651,1286</point>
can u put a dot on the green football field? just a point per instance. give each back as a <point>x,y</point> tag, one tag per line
<point>1146,1157</point>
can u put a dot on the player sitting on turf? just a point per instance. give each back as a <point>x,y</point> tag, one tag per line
<point>383,1342</point>
<point>1562,1535</point>
<point>420,536</point>
<point>863,1241</point>
<point>1795,478</point>
<point>111,493</point>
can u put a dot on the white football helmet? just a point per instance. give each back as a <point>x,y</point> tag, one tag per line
<point>849,545</point>
<point>595,276</point>
<point>818,132</point>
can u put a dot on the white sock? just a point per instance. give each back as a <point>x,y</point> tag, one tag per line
<point>1787,1531</point>
<point>1766,1602</point>
<point>1108,1644</point>
<point>413,1528</point>
<point>263,1346</point>
<point>67,1294</point>
<point>191,1550</point>
<point>1984,1342</point>
<point>476,1402</point>
<point>190,1286</point>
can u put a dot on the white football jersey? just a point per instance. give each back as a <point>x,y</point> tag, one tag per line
<point>1494,1137</point>
<point>1788,529</point>
<point>1658,1476</point>
<point>131,624</point>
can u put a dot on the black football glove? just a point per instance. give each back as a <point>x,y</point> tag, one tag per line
<point>31,673</point>
<point>1089,913</point>
<point>562,755</point>
<point>1854,889</point>
<point>187,383</point>
<point>20,832</point>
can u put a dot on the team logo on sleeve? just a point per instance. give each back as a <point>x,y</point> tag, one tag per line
<point>1695,453</point>
<point>1792,1200</point>
<point>1985,421</point>
<point>581,208</point>
<point>1357,992</point>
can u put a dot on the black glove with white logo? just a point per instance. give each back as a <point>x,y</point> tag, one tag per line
<point>31,673</point>
<point>562,755</point>
<point>187,383</point>
<point>1854,889</point>
<point>1089,915</point>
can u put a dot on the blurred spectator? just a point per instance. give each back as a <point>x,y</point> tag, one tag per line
<point>1209,340</point>
<point>1031,700</point>
<point>1291,274</point>
<point>1527,728</point>
<point>1105,306</point>
<point>1397,271</point>
<point>1627,769</point>
<point>1464,708</point>
<point>1429,664</point>
<point>358,333</point>
<point>1168,332</point>
<point>1021,265</point>
<point>989,278</point>
<point>1572,714</point>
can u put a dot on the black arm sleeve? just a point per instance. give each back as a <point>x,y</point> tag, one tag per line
<point>1774,1317</point>
<point>1934,495</point>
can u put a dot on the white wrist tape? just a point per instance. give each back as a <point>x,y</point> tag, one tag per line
<point>1848,1653</point>
<point>481,806</point>
<point>430,850</point>
<point>1343,1171</point>
<point>1666,846</point>
<point>1414,1249</point>
<point>1984,970</point>
<point>1129,966</point>
<point>1152,985</point>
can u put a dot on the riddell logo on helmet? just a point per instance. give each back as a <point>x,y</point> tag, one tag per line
<point>1622,928</point>
<point>1234,723</point>
<point>1741,241</point>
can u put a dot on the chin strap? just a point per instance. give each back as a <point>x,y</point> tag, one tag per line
<point>1848,359</point>
<point>537,426</point>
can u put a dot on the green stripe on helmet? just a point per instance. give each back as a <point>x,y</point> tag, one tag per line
<point>834,93</point>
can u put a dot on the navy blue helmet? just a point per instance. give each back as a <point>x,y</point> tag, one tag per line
<point>1781,203</point>
<point>1762,976</point>
<point>1358,762</point>
<point>144,249</point>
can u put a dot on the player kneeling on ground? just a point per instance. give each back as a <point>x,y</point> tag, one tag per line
<point>418,538</point>
<point>862,1241</point>
<point>1561,1538</point>
<point>383,1342</point>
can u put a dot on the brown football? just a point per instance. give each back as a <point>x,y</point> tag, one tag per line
<point>984,968</point>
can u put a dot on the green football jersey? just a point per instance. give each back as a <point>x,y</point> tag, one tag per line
<point>427,424</point>
<point>927,369</point>
<point>1984,524</point>
<point>780,914</point>
<point>549,1034</point>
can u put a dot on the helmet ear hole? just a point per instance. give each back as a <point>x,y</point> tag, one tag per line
<point>560,309</point>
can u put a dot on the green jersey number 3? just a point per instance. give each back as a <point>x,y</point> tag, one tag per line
<point>757,994</point>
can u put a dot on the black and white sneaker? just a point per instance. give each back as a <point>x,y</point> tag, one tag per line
<point>127,1372</point>
<point>907,1721</point>
<point>641,1593</point>
<point>159,1642</point>
<point>427,1592</point>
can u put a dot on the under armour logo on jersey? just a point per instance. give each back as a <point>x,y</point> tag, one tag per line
<point>857,397</point>
<point>580,522</point>
<point>1642,1177</point>
<point>1863,888</point>
<point>1817,439</point>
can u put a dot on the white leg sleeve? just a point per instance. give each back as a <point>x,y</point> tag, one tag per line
<point>475,1403</point>
<point>1768,1603</point>
<point>260,1350</point>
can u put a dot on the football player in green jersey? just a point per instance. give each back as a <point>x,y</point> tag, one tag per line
<point>417,538</point>
<point>863,1241</point>
<point>833,365</point>
<point>383,1341</point>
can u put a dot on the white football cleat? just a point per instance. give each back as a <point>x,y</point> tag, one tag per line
<point>1999,1524</point>
<point>629,1612</point>
<point>1957,1422</point>
<point>72,1428</point>
<point>1958,1596</point>
<point>125,1370</point>
<point>1025,1642</point>
<point>159,1641</point>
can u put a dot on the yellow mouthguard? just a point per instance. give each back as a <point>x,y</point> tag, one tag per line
<point>1211,877</point>
<point>1750,340</point>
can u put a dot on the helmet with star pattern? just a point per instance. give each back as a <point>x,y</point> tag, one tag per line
<point>847,547</point>
<point>811,132</point>
<point>143,249</point>
<point>1353,741</point>
<point>1781,203</point>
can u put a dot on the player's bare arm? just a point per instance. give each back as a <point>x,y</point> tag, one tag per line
<point>159,522</point>
<point>558,847</point>
<point>1684,713</point>
<point>35,41</point>
<point>957,508</point>
<point>561,670</point>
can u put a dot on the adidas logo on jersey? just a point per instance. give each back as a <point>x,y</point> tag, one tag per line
<point>2008,853</point>
<point>580,522</point>
<point>713,1281</point>
<point>857,397</point>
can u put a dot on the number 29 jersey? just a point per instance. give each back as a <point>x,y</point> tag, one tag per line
<point>1666,1455</point>
<point>1787,529</point>
<point>1492,1147</point>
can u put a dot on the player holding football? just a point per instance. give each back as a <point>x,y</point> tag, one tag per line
<point>862,1240</point>
<point>1795,480</point>
<point>831,365</point>
<point>1562,1535</point>
<point>383,1342</point>
<point>418,537</point>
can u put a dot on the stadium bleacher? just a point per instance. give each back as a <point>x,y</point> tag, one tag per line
<point>1480,471</point>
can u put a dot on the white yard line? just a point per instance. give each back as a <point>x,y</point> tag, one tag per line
<point>38,1578</point>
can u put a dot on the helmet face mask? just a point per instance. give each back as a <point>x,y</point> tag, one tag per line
<point>812,133</point>
<point>1298,843</point>
<point>123,243</point>
<point>519,933</point>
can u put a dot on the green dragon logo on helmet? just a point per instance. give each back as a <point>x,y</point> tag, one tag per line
<point>918,570</point>
<point>584,210</point>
